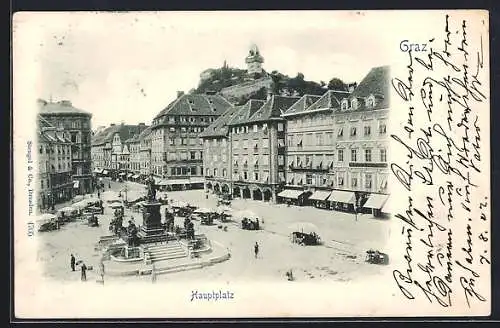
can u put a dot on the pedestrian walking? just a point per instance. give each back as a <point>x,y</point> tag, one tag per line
<point>153,274</point>
<point>256,249</point>
<point>109,185</point>
<point>101,270</point>
<point>72,262</point>
<point>84,272</point>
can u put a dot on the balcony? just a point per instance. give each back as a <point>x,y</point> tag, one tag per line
<point>367,164</point>
<point>308,168</point>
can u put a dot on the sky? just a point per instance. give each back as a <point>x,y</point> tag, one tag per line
<point>126,67</point>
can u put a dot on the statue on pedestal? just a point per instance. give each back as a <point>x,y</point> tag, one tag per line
<point>150,182</point>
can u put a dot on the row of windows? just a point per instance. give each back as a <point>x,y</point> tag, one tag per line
<point>245,144</point>
<point>185,119</point>
<point>354,104</point>
<point>255,128</point>
<point>184,141</point>
<point>320,138</point>
<point>340,180</point>
<point>191,119</point>
<point>257,176</point>
<point>216,172</point>
<point>60,149</point>
<point>85,124</point>
<point>309,160</point>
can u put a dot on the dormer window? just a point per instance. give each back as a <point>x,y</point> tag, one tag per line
<point>370,101</point>
<point>344,105</point>
<point>354,103</point>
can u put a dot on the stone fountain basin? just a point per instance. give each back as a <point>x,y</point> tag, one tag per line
<point>116,255</point>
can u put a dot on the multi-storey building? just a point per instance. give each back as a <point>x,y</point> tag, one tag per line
<point>176,148</point>
<point>110,153</point>
<point>134,145</point>
<point>217,153</point>
<point>311,144</point>
<point>258,148</point>
<point>54,165</point>
<point>76,125</point>
<point>145,153</point>
<point>362,140</point>
<point>337,146</point>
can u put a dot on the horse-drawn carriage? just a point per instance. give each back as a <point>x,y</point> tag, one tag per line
<point>92,220</point>
<point>47,222</point>
<point>305,234</point>
<point>225,213</point>
<point>224,199</point>
<point>376,257</point>
<point>205,215</point>
<point>182,209</point>
<point>249,220</point>
<point>67,214</point>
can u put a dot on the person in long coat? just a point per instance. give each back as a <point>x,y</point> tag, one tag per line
<point>72,262</point>
<point>84,272</point>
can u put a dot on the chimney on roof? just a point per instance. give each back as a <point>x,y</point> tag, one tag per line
<point>65,103</point>
<point>180,94</point>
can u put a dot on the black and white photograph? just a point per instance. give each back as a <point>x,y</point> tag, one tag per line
<point>251,164</point>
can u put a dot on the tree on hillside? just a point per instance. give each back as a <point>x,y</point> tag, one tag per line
<point>337,84</point>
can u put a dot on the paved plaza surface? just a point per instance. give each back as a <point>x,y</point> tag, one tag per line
<point>340,258</point>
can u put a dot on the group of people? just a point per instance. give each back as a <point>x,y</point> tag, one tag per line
<point>84,268</point>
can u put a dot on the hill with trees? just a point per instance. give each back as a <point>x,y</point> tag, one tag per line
<point>281,83</point>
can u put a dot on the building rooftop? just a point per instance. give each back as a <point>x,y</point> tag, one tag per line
<point>273,108</point>
<point>302,105</point>
<point>60,107</point>
<point>124,130</point>
<point>196,104</point>
<point>244,112</point>
<point>219,128</point>
<point>376,82</point>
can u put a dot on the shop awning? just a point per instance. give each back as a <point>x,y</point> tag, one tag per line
<point>76,184</point>
<point>289,193</point>
<point>105,172</point>
<point>97,170</point>
<point>387,208</point>
<point>320,195</point>
<point>177,182</point>
<point>376,201</point>
<point>135,176</point>
<point>197,180</point>
<point>161,182</point>
<point>121,174</point>
<point>342,196</point>
<point>129,175</point>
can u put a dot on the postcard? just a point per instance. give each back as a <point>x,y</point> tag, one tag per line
<point>251,164</point>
